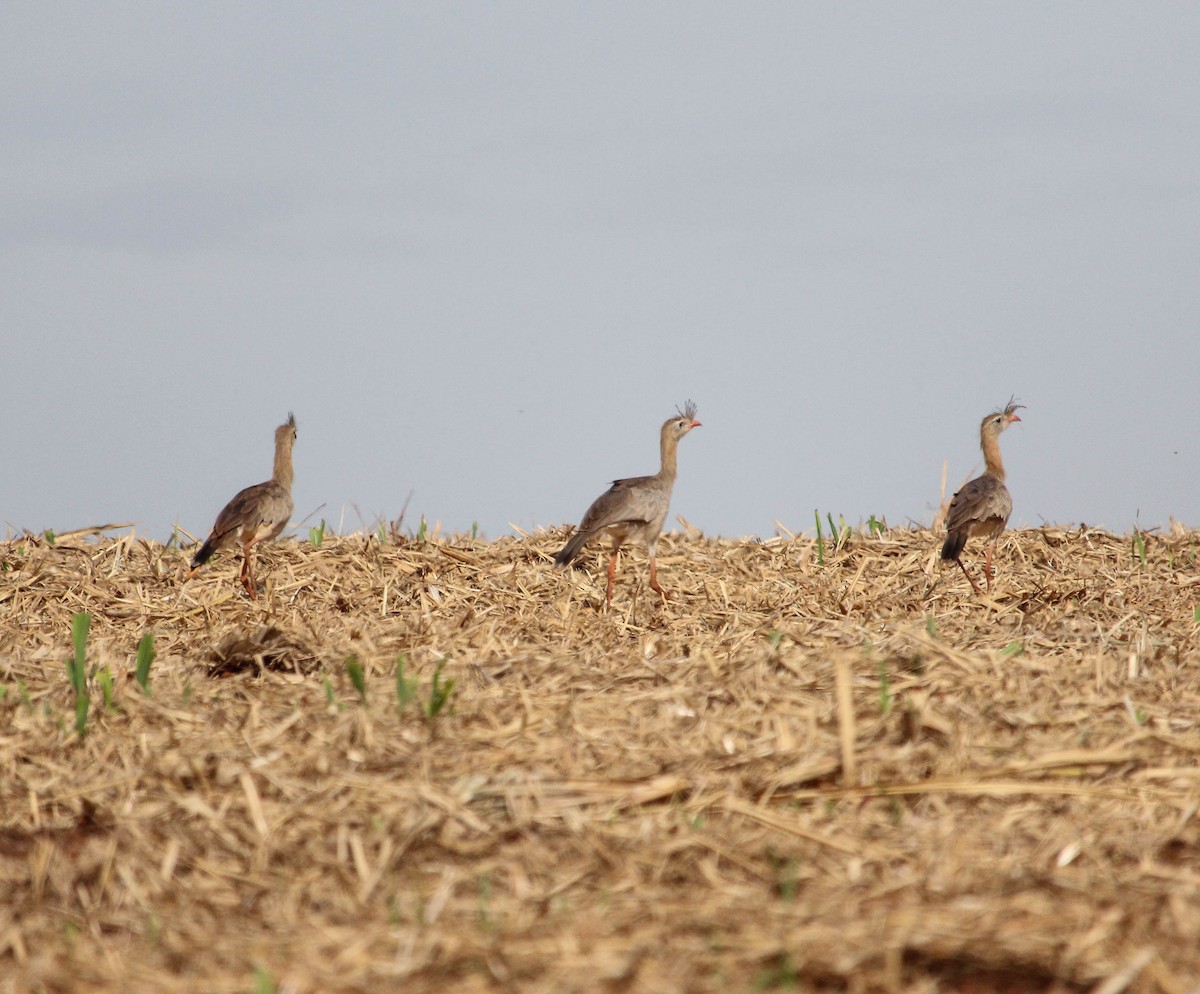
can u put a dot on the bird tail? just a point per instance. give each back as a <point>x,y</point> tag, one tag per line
<point>571,549</point>
<point>205,553</point>
<point>955,542</point>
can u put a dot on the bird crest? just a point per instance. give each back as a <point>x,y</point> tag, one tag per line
<point>689,410</point>
<point>1011,407</point>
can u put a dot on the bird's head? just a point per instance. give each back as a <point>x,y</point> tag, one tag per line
<point>287,430</point>
<point>685,420</point>
<point>997,421</point>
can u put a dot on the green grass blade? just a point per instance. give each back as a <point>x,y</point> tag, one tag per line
<point>263,984</point>
<point>104,678</point>
<point>80,626</point>
<point>355,671</point>
<point>317,535</point>
<point>406,689</point>
<point>145,657</point>
<point>439,692</point>
<point>1138,550</point>
<point>77,669</point>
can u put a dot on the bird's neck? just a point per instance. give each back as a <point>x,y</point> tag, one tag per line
<point>989,441</point>
<point>283,474</point>
<point>668,445</point>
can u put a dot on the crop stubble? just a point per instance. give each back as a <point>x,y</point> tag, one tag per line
<point>850,776</point>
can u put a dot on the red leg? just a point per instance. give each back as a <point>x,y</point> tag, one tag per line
<point>654,580</point>
<point>248,572</point>
<point>969,577</point>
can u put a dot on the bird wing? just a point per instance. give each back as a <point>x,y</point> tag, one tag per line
<point>637,501</point>
<point>262,510</point>
<point>984,499</point>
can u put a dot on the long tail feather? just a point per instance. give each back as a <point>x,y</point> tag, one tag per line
<point>571,549</point>
<point>955,542</point>
<point>205,553</point>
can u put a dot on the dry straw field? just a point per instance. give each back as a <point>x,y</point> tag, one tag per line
<point>814,769</point>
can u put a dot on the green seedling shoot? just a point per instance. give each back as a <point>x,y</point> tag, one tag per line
<point>145,657</point>
<point>77,669</point>
<point>355,671</point>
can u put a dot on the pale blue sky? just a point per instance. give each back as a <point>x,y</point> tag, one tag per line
<point>484,250</point>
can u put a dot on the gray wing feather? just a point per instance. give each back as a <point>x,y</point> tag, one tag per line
<point>983,499</point>
<point>263,509</point>
<point>636,501</point>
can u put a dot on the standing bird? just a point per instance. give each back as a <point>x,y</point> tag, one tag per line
<point>634,508</point>
<point>256,513</point>
<point>982,506</point>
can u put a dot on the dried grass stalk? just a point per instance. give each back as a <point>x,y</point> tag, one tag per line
<point>849,776</point>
